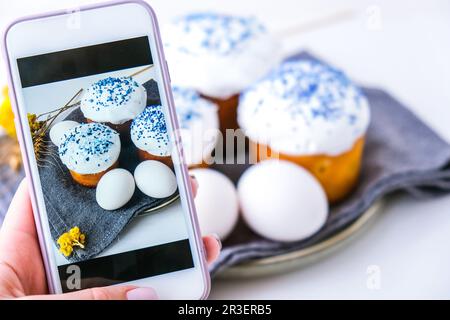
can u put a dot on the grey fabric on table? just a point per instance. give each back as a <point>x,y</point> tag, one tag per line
<point>152,92</point>
<point>401,153</point>
<point>70,204</point>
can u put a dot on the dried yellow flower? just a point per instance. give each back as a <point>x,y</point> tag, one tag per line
<point>34,124</point>
<point>38,130</point>
<point>6,114</point>
<point>68,240</point>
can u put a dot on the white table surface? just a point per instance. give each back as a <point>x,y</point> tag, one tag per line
<point>402,46</point>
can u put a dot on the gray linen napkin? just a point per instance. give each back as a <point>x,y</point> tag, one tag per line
<point>401,153</point>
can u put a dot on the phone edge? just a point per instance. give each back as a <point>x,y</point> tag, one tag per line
<point>174,122</point>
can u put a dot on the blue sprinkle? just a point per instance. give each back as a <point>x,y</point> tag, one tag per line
<point>313,90</point>
<point>113,92</point>
<point>150,125</point>
<point>222,34</point>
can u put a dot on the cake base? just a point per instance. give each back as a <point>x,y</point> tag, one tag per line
<point>201,165</point>
<point>144,155</point>
<point>91,180</point>
<point>337,174</point>
<point>227,109</point>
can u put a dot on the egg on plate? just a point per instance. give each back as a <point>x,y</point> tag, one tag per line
<point>155,179</point>
<point>115,189</point>
<point>216,202</point>
<point>282,201</point>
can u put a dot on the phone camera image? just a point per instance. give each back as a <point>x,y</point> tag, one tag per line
<point>99,125</point>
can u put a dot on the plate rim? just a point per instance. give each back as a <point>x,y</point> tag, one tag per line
<point>260,266</point>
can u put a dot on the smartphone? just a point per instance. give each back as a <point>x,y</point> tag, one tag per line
<point>95,118</point>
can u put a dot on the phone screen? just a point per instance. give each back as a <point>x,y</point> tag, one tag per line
<point>98,121</point>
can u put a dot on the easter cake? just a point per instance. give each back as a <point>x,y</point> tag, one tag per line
<point>149,135</point>
<point>310,114</point>
<point>114,102</point>
<point>89,151</point>
<point>219,55</point>
<point>199,125</point>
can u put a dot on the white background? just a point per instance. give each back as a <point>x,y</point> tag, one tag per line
<point>402,46</point>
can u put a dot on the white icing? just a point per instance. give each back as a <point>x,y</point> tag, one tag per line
<point>90,148</point>
<point>149,132</point>
<point>219,55</point>
<point>57,132</point>
<point>113,100</point>
<point>304,108</point>
<point>199,124</point>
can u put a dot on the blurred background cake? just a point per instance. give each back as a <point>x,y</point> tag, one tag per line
<point>219,55</point>
<point>114,102</point>
<point>89,151</point>
<point>312,115</point>
<point>199,126</point>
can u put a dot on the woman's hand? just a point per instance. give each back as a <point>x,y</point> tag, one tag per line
<point>22,273</point>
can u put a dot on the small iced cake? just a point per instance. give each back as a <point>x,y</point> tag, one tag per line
<point>149,134</point>
<point>89,151</point>
<point>310,114</point>
<point>219,55</point>
<point>114,102</point>
<point>199,126</point>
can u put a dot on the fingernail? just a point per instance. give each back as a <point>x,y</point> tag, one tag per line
<point>195,180</point>
<point>216,236</point>
<point>142,294</point>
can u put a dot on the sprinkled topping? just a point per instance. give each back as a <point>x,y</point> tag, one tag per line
<point>199,124</point>
<point>233,52</point>
<point>217,33</point>
<point>149,131</point>
<point>114,100</point>
<point>189,105</point>
<point>112,92</point>
<point>305,107</point>
<point>90,148</point>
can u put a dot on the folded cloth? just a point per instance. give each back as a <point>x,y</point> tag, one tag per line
<point>401,153</point>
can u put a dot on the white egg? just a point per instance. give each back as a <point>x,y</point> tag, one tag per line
<point>282,201</point>
<point>58,130</point>
<point>155,179</point>
<point>115,189</point>
<point>216,202</point>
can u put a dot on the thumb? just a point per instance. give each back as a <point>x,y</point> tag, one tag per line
<point>102,293</point>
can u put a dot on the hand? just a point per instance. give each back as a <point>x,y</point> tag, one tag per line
<point>22,273</point>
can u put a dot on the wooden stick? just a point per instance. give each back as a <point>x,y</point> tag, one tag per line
<point>65,106</point>
<point>140,71</point>
<point>68,105</point>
